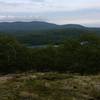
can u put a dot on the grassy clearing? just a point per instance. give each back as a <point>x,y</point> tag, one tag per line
<point>49,86</point>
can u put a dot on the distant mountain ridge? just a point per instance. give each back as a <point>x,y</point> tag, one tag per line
<point>72,26</point>
<point>41,33</point>
<point>33,26</point>
<point>25,26</point>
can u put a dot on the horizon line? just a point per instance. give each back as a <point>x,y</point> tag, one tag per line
<point>49,23</point>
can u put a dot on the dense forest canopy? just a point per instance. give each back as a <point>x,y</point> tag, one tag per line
<point>40,33</point>
<point>75,55</point>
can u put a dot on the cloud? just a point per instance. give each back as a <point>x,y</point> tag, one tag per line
<point>85,21</point>
<point>20,18</point>
<point>57,11</point>
<point>20,1</point>
<point>37,0</point>
<point>47,5</point>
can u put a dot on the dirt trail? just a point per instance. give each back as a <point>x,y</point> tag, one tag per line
<point>5,78</point>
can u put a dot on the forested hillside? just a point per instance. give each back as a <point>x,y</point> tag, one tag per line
<point>41,33</point>
<point>74,55</point>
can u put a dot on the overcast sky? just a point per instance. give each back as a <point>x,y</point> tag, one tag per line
<point>85,12</point>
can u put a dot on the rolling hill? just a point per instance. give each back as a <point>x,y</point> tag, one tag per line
<point>25,26</point>
<point>39,33</point>
<point>32,26</point>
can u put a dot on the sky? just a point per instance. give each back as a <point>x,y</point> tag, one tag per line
<point>85,12</point>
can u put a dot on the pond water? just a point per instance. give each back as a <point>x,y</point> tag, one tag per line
<point>41,46</point>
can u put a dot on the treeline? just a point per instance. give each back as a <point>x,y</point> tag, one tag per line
<point>55,36</point>
<point>81,55</point>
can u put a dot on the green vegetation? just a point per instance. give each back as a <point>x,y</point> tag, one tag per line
<point>49,86</point>
<point>41,33</point>
<point>70,71</point>
<point>49,36</point>
<point>55,36</point>
<point>78,55</point>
